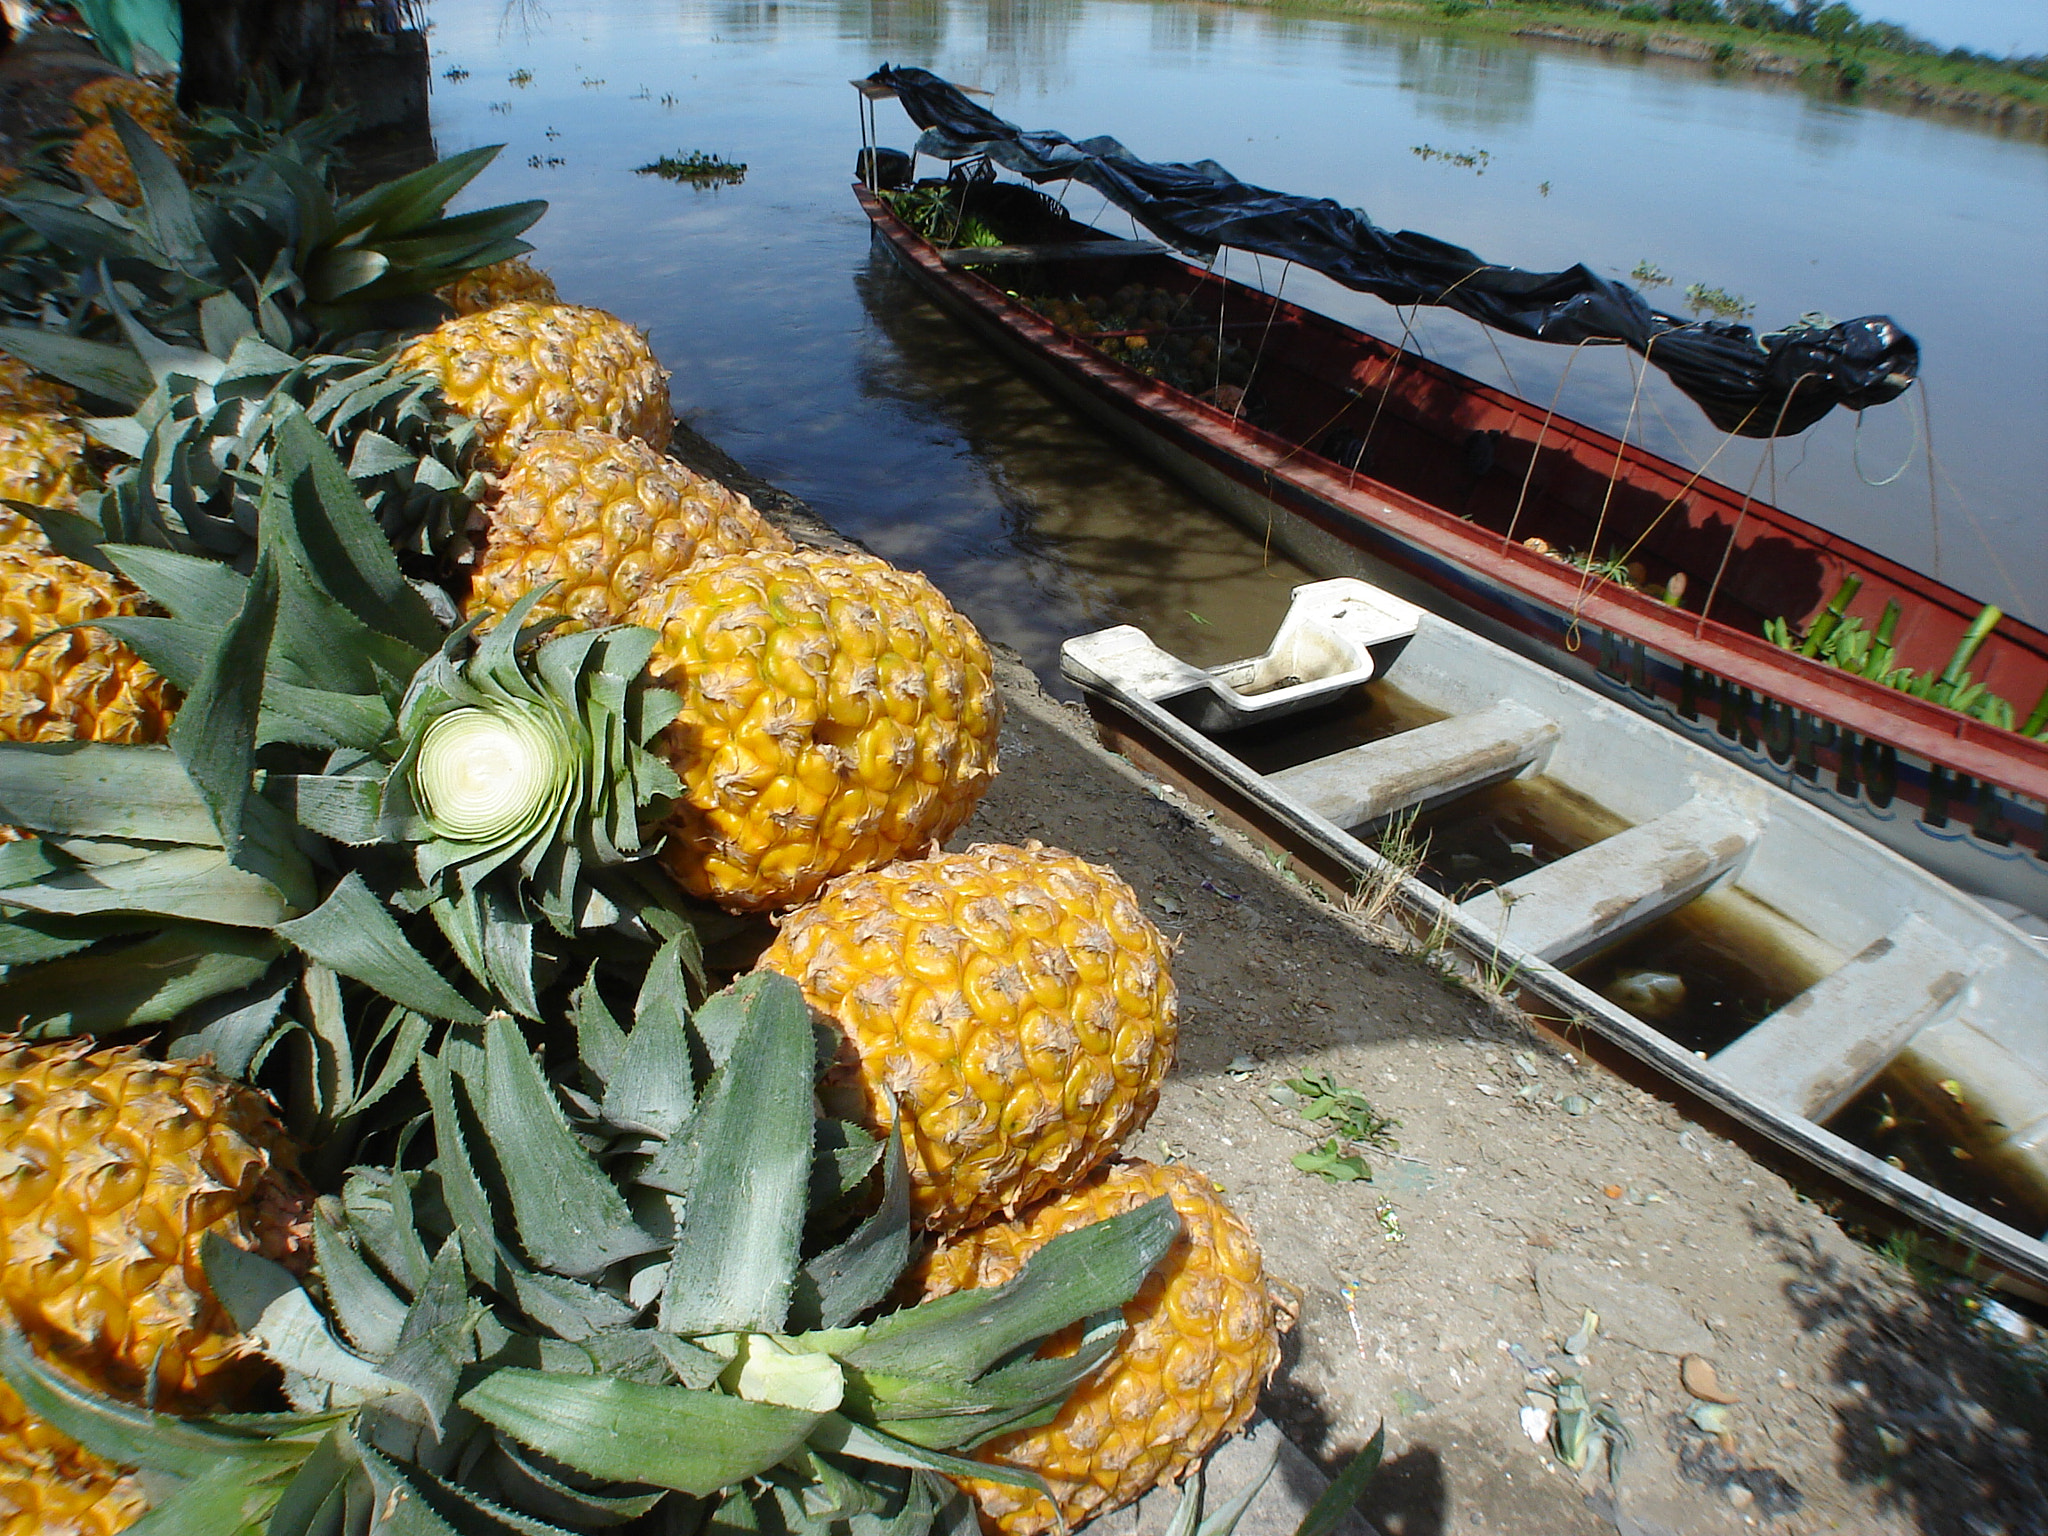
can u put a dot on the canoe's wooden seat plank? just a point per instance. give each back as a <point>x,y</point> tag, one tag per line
<point>1067,250</point>
<point>2002,1080</point>
<point>1431,762</point>
<point>1818,1051</point>
<point>1602,893</point>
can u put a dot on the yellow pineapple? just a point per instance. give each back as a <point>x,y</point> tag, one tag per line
<point>1014,1003</point>
<point>503,282</point>
<point>113,1167</point>
<point>837,714</point>
<point>100,160</point>
<point>144,100</point>
<point>608,518</point>
<point>82,685</point>
<point>527,367</point>
<point>63,1493</point>
<point>1203,1338</point>
<point>42,450</point>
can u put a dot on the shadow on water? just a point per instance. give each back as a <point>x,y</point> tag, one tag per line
<point>1947,1421</point>
<point>1099,537</point>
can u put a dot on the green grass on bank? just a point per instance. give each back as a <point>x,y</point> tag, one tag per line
<point>1830,46</point>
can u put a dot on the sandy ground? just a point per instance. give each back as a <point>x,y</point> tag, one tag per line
<point>1527,1188</point>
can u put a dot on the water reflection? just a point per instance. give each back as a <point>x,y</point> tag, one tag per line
<point>901,31</point>
<point>1468,85</point>
<point>790,349</point>
<point>1096,536</point>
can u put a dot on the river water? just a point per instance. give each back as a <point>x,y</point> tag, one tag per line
<point>800,350</point>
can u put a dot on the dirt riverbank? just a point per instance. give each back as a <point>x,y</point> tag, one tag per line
<point>1527,1189</point>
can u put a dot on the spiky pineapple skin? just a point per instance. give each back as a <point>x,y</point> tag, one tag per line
<point>42,450</point>
<point>525,367</point>
<point>100,160</point>
<point>82,685</point>
<point>608,518</point>
<point>1014,1003</point>
<point>837,714</point>
<point>1203,1340</point>
<point>144,100</point>
<point>63,1489</point>
<point>511,281</point>
<point>113,1167</point>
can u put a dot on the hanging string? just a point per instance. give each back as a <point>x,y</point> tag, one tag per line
<point>1748,495</point>
<point>1536,448</point>
<point>1272,313</point>
<point>1586,577</point>
<point>1933,499</point>
<point>1856,452</point>
<point>1998,564</point>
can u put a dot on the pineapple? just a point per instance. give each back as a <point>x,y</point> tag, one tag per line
<point>1203,1339</point>
<point>112,1169</point>
<point>608,518</point>
<point>144,100</point>
<point>100,160</point>
<point>662,1281</point>
<point>69,1492</point>
<point>1014,1005</point>
<point>837,714</point>
<point>514,280</point>
<point>42,450</point>
<point>528,367</point>
<point>82,685</point>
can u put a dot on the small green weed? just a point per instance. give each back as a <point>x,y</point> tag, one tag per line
<point>1351,1119</point>
<point>697,168</point>
<point>1718,302</point>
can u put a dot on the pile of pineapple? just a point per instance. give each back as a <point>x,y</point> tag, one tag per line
<point>399,749</point>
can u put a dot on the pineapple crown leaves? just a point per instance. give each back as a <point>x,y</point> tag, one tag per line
<point>312,269</point>
<point>520,785</point>
<point>595,1301</point>
<point>325,648</point>
<point>202,432</point>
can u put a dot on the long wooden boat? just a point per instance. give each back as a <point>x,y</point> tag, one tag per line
<point>1355,457</point>
<point>1874,1020</point>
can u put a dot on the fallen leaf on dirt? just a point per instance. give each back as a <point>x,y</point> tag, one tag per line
<point>1703,1382</point>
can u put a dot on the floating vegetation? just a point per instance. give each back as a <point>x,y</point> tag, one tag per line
<point>1649,274</point>
<point>1844,642</point>
<point>1474,160</point>
<point>520,77</point>
<point>1719,302</point>
<point>697,168</point>
<point>535,162</point>
<point>456,73</point>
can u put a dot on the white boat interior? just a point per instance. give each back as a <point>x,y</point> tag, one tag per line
<point>1900,973</point>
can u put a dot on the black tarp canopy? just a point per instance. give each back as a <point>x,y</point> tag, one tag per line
<point>1758,385</point>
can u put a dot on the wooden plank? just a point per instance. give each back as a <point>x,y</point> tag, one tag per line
<point>1430,763</point>
<point>1070,250</point>
<point>1599,895</point>
<point>1816,1053</point>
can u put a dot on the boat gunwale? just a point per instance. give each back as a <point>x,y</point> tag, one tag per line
<point>1944,737</point>
<point>1139,717</point>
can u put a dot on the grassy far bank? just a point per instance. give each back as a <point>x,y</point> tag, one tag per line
<point>1828,45</point>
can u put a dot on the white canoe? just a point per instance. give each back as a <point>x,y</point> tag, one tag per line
<point>1908,973</point>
